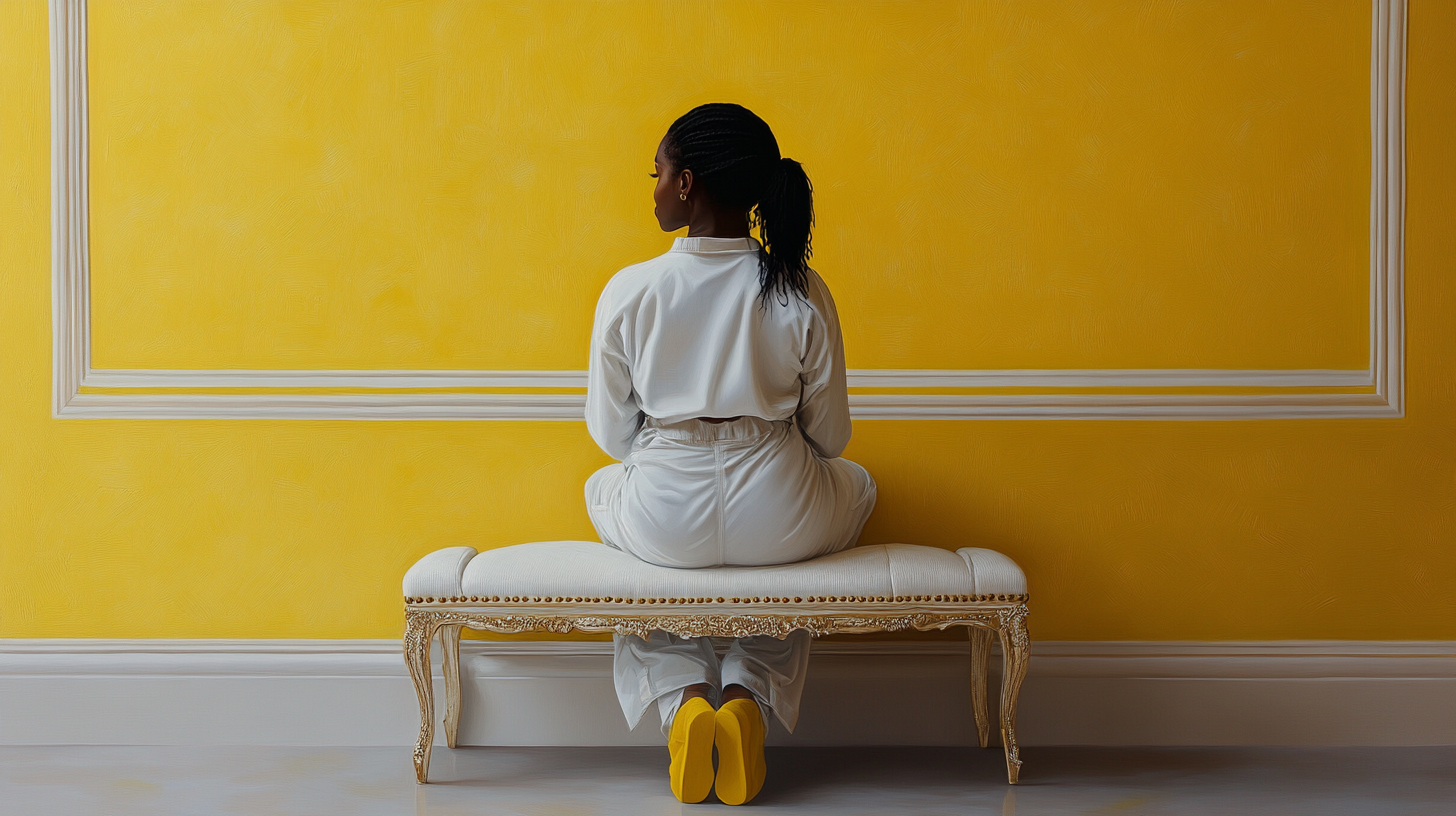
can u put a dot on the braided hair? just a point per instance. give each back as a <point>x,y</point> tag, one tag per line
<point>736,157</point>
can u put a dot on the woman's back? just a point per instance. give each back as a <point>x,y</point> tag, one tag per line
<point>688,334</point>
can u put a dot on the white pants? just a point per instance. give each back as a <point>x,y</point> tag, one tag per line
<point>749,492</point>
<point>659,668</point>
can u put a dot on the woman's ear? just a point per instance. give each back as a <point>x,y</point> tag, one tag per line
<point>685,183</point>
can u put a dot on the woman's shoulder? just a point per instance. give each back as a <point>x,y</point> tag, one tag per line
<point>818,292</point>
<point>634,280</point>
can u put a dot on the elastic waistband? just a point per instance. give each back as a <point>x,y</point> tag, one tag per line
<point>698,432</point>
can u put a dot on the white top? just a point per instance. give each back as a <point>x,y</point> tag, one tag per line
<point>685,335</point>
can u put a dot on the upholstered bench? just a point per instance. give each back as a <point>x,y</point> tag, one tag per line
<point>560,586</point>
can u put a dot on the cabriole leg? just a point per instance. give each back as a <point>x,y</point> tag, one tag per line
<point>450,647</point>
<point>1015,654</point>
<point>980,667</point>
<point>419,630</point>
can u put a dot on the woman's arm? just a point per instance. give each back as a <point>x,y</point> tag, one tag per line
<point>823,415</point>
<point>613,416</point>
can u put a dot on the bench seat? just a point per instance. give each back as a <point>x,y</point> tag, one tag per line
<point>563,586</point>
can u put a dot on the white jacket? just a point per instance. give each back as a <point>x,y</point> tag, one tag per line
<point>686,335</point>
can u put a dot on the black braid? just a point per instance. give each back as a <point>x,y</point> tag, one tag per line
<point>736,157</point>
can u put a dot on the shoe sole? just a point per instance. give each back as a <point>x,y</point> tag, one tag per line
<point>740,757</point>
<point>692,781</point>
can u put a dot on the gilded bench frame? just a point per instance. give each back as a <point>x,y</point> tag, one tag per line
<point>984,616</point>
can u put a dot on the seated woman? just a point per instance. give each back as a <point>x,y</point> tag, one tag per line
<point>717,378</point>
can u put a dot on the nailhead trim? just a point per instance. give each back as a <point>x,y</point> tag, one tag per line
<point>813,599</point>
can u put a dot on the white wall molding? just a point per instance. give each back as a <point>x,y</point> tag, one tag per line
<point>1387,200</point>
<point>858,378</point>
<point>356,692</point>
<point>70,204</point>
<point>395,395</point>
<point>416,406</point>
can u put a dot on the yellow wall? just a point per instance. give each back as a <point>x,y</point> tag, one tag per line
<point>447,185</point>
<point>1001,185</point>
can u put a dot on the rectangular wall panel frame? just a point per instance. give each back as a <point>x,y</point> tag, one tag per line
<point>393,394</point>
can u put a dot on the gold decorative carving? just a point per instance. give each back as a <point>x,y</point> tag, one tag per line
<point>419,630</point>
<point>1004,617</point>
<point>733,625</point>
<point>1015,654</point>
<point>980,667</point>
<point>450,660</point>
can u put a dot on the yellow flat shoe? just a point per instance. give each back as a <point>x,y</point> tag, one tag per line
<point>739,737</point>
<point>691,745</point>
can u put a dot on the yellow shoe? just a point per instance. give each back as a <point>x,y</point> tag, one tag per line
<point>739,737</point>
<point>691,746</point>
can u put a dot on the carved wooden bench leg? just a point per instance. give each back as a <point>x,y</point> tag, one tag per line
<point>419,630</point>
<point>1015,653</point>
<point>450,646</point>
<point>980,668</point>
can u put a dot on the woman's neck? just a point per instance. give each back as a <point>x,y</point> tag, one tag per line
<point>711,222</point>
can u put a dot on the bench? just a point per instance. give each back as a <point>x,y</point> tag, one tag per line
<point>561,586</point>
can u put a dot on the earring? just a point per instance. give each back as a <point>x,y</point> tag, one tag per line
<point>683,196</point>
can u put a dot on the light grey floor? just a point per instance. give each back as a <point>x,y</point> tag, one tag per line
<point>58,781</point>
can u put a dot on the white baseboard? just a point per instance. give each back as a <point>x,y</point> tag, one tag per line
<point>356,692</point>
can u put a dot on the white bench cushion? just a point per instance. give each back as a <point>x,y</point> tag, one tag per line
<point>585,568</point>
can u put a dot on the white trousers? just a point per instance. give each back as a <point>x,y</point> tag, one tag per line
<point>750,492</point>
<point>659,668</point>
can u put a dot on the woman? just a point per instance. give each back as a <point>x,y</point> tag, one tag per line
<point>717,378</point>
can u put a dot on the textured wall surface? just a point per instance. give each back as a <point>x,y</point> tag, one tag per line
<point>447,185</point>
<point>1001,185</point>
